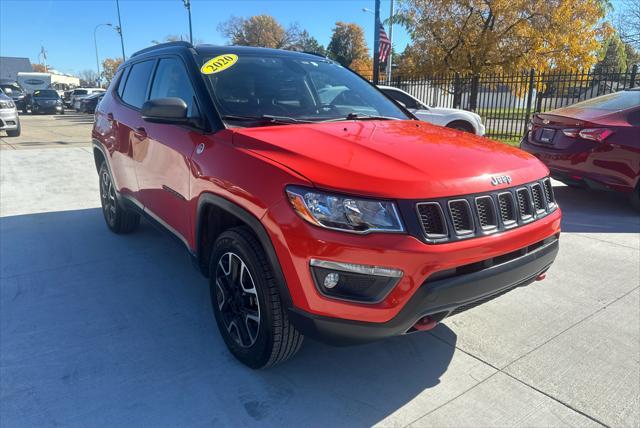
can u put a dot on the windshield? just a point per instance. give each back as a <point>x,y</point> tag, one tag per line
<point>299,89</point>
<point>11,89</point>
<point>612,102</point>
<point>46,93</point>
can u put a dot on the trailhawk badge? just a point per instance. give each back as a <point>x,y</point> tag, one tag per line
<point>500,179</point>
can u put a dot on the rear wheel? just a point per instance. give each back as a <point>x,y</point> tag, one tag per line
<point>119,218</point>
<point>246,302</point>
<point>461,125</point>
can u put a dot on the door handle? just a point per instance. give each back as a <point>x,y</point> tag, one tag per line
<point>140,133</point>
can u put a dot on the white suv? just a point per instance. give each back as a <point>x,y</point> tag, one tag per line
<point>450,117</point>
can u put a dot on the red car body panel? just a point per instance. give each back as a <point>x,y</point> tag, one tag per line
<point>166,170</point>
<point>612,164</point>
<point>398,159</point>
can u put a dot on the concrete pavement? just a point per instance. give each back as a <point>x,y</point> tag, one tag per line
<point>103,330</point>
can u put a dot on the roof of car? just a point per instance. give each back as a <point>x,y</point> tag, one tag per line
<point>215,50</point>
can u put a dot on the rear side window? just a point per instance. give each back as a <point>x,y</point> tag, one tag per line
<point>135,90</point>
<point>80,92</point>
<point>403,98</point>
<point>171,80</point>
<point>122,80</point>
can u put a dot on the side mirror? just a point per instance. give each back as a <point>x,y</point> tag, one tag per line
<point>165,110</point>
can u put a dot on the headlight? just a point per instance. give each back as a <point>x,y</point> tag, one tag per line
<point>344,212</point>
<point>7,104</point>
<point>59,102</point>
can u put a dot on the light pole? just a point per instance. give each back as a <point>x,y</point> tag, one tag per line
<point>119,30</point>
<point>187,5</point>
<point>389,59</point>
<point>95,43</point>
<point>376,40</point>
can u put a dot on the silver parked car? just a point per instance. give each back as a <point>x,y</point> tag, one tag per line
<point>9,120</point>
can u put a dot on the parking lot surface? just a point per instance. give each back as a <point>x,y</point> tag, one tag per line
<point>105,330</point>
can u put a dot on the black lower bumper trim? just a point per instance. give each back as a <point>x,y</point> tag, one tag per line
<point>438,298</point>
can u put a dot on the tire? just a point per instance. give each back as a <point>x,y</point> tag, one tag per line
<point>15,132</point>
<point>461,125</point>
<point>119,218</point>
<point>271,338</point>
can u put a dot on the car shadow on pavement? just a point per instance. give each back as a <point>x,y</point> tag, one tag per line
<point>593,211</point>
<point>105,329</point>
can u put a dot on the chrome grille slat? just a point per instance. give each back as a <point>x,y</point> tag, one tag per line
<point>486,213</point>
<point>461,216</point>
<point>538,198</point>
<point>525,206</point>
<point>434,225</point>
<point>452,219</point>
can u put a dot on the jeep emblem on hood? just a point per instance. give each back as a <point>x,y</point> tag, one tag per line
<point>500,179</point>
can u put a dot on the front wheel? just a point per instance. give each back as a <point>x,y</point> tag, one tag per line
<point>118,217</point>
<point>246,302</point>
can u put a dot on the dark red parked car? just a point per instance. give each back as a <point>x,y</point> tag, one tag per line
<point>594,143</point>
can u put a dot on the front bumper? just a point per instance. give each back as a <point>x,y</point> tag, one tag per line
<point>9,119</point>
<point>296,242</point>
<point>438,297</point>
<point>47,109</point>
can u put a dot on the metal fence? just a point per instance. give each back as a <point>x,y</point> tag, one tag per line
<point>506,101</point>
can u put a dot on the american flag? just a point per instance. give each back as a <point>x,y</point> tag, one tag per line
<point>385,45</point>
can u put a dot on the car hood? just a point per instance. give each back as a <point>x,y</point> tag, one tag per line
<point>393,159</point>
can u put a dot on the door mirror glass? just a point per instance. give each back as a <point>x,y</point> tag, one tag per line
<point>165,110</point>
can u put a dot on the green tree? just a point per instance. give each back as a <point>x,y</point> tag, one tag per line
<point>260,30</point>
<point>612,56</point>
<point>348,43</point>
<point>307,43</point>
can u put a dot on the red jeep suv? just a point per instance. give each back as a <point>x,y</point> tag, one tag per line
<point>314,204</point>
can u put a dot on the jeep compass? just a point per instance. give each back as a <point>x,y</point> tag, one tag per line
<point>314,204</point>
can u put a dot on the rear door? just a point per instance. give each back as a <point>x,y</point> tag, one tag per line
<point>128,125</point>
<point>163,157</point>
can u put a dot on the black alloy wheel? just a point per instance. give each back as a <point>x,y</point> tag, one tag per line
<point>237,299</point>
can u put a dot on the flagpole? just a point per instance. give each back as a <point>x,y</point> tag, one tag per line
<point>376,44</point>
<point>389,59</point>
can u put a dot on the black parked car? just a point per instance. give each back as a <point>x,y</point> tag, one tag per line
<point>88,104</point>
<point>14,91</point>
<point>45,101</point>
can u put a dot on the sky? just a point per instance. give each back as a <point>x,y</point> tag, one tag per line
<point>66,27</point>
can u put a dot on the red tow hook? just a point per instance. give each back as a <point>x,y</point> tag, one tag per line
<point>541,276</point>
<point>425,323</point>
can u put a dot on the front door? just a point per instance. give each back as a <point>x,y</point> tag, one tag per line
<point>163,156</point>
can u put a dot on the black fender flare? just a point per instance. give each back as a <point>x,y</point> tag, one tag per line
<point>207,199</point>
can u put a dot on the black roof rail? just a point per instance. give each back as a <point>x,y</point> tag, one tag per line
<point>162,46</point>
<point>315,54</point>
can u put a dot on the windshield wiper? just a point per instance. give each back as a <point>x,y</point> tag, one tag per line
<point>357,116</point>
<point>264,118</point>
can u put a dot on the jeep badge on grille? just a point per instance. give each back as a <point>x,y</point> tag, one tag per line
<point>500,179</point>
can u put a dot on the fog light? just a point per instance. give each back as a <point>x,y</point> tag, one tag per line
<point>331,280</point>
<point>348,281</point>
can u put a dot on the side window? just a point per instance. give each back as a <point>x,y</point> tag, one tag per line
<point>171,80</point>
<point>135,89</point>
<point>403,98</point>
<point>123,79</point>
